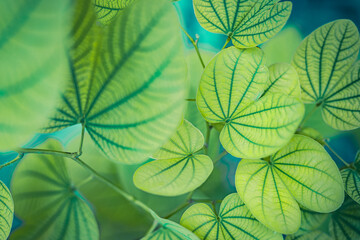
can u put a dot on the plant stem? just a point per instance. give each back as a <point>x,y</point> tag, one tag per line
<point>337,155</point>
<point>220,156</point>
<point>207,138</point>
<point>190,99</point>
<point>151,229</point>
<point>18,157</point>
<point>46,151</point>
<point>181,207</point>
<point>306,118</point>
<point>226,43</point>
<point>81,140</point>
<point>195,46</point>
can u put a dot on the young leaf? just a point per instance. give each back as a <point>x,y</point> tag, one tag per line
<point>233,222</point>
<point>248,22</point>
<point>32,61</point>
<point>328,75</point>
<point>107,10</point>
<point>345,222</point>
<point>47,200</point>
<point>127,112</point>
<point>179,168</point>
<point>170,230</point>
<point>302,172</point>
<point>228,93</point>
<point>351,180</point>
<point>283,79</point>
<point>6,211</point>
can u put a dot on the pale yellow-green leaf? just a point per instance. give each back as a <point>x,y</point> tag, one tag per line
<point>234,221</point>
<point>127,83</point>
<point>345,223</point>
<point>328,75</point>
<point>302,172</point>
<point>6,211</point>
<point>178,167</point>
<point>48,201</point>
<point>229,93</point>
<point>351,180</point>
<point>107,10</point>
<point>248,22</point>
<point>313,133</point>
<point>32,63</point>
<point>283,79</point>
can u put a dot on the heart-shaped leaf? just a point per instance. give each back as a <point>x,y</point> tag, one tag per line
<point>127,112</point>
<point>234,221</point>
<point>179,168</point>
<point>107,10</point>
<point>47,200</point>
<point>283,79</point>
<point>302,172</point>
<point>328,75</point>
<point>228,92</point>
<point>345,222</point>
<point>6,211</point>
<point>351,178</point>
<point>248,22</point>
<point>32,62</point>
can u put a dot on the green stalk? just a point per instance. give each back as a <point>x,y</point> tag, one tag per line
<point>18,157</point>
<point>195,46</point>
<point>337,155</point>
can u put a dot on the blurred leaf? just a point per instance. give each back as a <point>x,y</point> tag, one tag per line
<point>127,83</point>
<point>32,60</point>
<point>107,10</point>
<point>312,133</point>
<point>178,167</point>
<point>248,22</point>
<point>328,75</point>
<point>6,211</point>
<point>301,172</point>
<point>233,222</point>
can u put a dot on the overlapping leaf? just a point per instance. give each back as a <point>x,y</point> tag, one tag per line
<point>127,80</point>
<point>233,222</point>
<point>107,10</point>
<point>31,46</point>
<point>351,178</point>
<point>345,222</point>
<point>313,133</point>
<point>301,172</point>
<point>6,211</point>
<point>314,235</point>
<point>248,22</point>
<point>228,94</point>
<point>179,168</point>
<point>47,200</point>
<point>328,75</point>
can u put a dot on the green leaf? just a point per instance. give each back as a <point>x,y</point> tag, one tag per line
<point>127,80</point>
<point>351,180</point>
<point>357,160</point>
<point>32,62</point>
<point>313,133</point>
<point>233,222</point>
<point>248,22</point>
<point>318,235</point>
<point>283,79</point>
<point>170,230</point>
<point>107,10</point>
<point>328,75</point>
<point>228,94</point>
<point>48,201</point>
<point>6,211</point>
<point>301,172</point>
<point>179,168</point>
<point>345,223</point>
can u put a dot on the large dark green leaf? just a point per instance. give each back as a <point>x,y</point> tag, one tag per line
<point>127,80</point>
<point>32,62</point>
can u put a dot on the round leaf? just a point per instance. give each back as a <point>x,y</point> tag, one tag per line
<point>107,10</point>
<point>301,171</point>
<point>248,22</point>
<point>324,61</point>
<point>47,200</point>
<point>351,180</point>
<point>127,80</point>
<point>233,222</point>
<point>179,169</point>
<point>309,236</point>
<point>228,93</point>
<point>6,211</point>
<point>32,61</point>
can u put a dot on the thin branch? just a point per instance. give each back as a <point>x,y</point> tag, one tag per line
<point>220,156</point>
<point>46,151</point>
<point>207,138</point>
<point>151,229</point>
<point>178,209</point>
<point>190,99</point>
<point>226,43</point>
<point>337,155</point>
<point>307,117</point>
<point>18,157</point>
<point>195,46</point>
<point>81,140</point>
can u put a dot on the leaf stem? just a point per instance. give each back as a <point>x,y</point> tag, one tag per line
<point>220,156</point>
<point>190,99</point>
<point>207,138</point>
<point>46,151</point>
<point>195,46</point>
<point>306,118</point>
<point>151,229</point>
<point>18,157</point>
<point>337,155</point>
<point>226,43</point>
<point>81,140</point>
<point>178,209</point>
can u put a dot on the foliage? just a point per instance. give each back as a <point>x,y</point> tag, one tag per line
<point>158,124</point>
